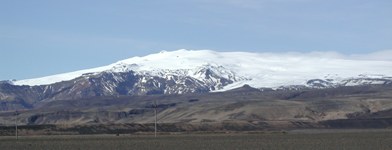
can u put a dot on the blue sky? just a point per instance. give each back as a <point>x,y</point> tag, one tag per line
<point>44,37</point>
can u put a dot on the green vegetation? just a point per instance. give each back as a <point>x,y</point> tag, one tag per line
<point>278,140</point>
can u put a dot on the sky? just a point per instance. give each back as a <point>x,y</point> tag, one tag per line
<point>45,37</point>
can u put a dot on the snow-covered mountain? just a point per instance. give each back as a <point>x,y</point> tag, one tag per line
<point>187,71</point>
<point>259,70</point>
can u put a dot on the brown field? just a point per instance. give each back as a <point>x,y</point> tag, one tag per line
<point>303,140</point>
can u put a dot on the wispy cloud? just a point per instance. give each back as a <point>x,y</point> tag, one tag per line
<point>382,55</point>
<point>378,55</point>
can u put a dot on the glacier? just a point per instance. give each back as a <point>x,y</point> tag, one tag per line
<point>259,70</point>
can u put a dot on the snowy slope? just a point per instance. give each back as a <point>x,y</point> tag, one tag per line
<point>255,69</point>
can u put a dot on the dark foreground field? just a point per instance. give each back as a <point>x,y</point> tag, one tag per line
<point>303,140</point>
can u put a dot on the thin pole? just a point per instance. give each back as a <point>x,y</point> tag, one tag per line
<point>155,110</point>
<point>16,125</point>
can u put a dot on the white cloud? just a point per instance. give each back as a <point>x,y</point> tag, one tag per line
<point>378,55</point>
<point>383,55</point>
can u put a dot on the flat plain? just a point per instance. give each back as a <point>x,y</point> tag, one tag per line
<point>303,140</point>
